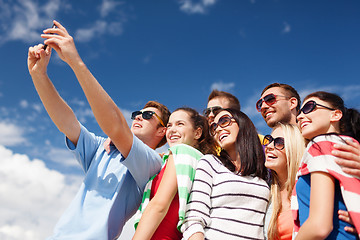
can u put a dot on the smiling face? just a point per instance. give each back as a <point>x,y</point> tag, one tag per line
<point>180,129</point>
<point>280,111</point>
<point>316,122</point>
<point>145,129</point>
<point>276,159</point>
<point>226,136</point>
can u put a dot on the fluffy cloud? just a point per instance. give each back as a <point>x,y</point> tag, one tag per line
<point>200,7</point>
<point>221,86</point>
<point>32,196</point>
<point>24,18</point>
<point>10,134</point>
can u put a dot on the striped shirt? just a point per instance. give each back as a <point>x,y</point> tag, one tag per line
<point>318,158</point>
<point>224,205</point>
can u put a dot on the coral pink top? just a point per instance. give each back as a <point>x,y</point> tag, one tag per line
<point>285,224</point>
<point>167,229</point>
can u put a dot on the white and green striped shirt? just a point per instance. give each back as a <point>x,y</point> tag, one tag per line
<point>185,159</point>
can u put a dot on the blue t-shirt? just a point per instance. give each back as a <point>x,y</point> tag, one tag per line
<point>303,195</point>
<point>111,191</point>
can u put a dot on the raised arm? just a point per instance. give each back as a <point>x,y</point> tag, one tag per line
<point>59,111</point>
<point>106,112</point>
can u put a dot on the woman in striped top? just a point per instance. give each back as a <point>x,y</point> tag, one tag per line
<point>230,194</point>
<point>322,187</point>
<point>165,197</point>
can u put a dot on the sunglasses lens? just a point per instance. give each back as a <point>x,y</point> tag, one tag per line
<point>258,104</point>
<point>308,107</point>
<point>134,114</point>
<point>147,115</point>
<point>224,121</point>
<point>279,143</point>
<point>270,99</point>
<point>214,110</point>
<point>267,140</point>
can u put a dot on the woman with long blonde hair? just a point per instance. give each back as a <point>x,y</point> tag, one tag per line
<point>284,149</point>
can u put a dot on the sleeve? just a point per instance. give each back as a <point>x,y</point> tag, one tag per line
<point>199,206</point>
<point>186,159</point>
<point>142,162</point>
<point>85,148</point>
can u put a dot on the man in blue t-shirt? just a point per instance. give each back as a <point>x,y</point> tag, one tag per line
<point>113,185</point>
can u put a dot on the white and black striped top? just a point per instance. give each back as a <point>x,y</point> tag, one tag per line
<point>224,205</point>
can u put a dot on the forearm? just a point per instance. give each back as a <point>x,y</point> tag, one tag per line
<point>311,230</point>
<point>106,112</point>
<point>197,236</point>
<point>59,111</point>
<point>150,220</point>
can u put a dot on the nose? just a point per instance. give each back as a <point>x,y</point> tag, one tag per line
<point>300,116</point>
<point>270,146</point>
<point>139,117</point>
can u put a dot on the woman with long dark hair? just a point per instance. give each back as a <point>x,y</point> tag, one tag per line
<point>230,194</point>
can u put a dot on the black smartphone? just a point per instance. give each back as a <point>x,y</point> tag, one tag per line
<point>45,46</point>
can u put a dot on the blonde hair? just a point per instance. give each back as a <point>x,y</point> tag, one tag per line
<point>294,150</point>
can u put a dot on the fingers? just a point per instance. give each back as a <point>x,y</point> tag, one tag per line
<point>344,216</point>
<point>350,230</point>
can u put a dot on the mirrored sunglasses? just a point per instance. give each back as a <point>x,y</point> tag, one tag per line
<point>279,142</point>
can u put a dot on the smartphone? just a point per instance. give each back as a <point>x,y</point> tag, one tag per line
<point>45,46</point>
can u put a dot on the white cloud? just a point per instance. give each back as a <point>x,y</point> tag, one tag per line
<point>200,7</point>
<point>287,28</point>
<point>32,196</point>
<point>62,156</point>
<point>11,134</point>
<point>24,104</point>
<point>107,6</point>
<point>24,19</point>
<point>221,86</point>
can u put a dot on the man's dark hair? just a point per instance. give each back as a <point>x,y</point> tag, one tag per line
<point>233,101</point>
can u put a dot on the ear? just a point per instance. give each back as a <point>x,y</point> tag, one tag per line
<point>198,133</point>
<point>161,131</point>
<point>293,103</point>
<point>336,115</point>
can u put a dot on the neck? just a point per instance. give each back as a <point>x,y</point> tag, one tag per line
<point>282,178</point>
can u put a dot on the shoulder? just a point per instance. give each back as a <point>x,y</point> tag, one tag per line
<point>185,149</point>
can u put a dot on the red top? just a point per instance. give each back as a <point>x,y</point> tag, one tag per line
<point>167,229</point>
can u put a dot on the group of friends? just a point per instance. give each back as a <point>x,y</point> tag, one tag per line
<point>220,179</point>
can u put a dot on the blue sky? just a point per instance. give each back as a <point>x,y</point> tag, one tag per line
<point>173,51</point>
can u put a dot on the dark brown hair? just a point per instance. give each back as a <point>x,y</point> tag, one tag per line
<point>350,121</point>
<point>206,143</point>
<point>248,146</point>
<point>233,101</point>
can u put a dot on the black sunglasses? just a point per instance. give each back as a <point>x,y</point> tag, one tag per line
<point>311,105</point>
<point>215,110</point>
<point>147,115</point>
<point>279,142</point>
<point>224,121</point>
<point>269,99</point>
